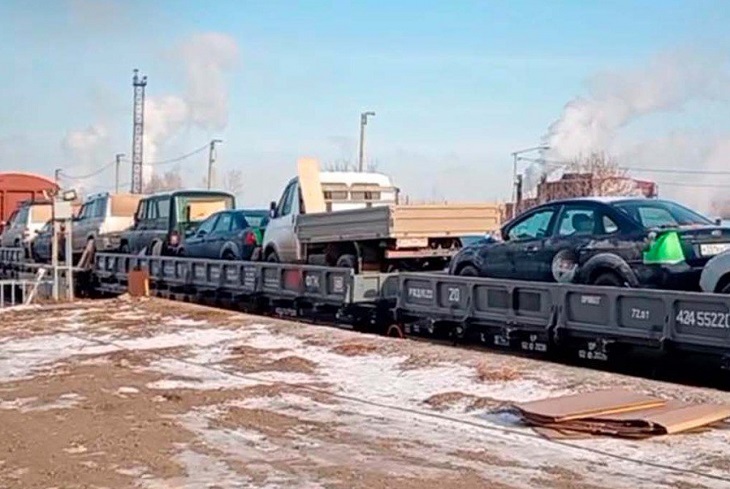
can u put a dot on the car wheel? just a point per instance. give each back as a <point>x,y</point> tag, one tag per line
<point>272,257</point>
<point>609,279</point>
<point>468,271</point>
<point>347,261</point>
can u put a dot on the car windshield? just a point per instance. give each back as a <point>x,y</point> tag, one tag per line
<point>257,219</point>
<point>195,208</point>
<point>661,214</point>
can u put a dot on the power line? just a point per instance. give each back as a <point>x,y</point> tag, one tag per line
<point>179,158</point>
<point>562,164</point>
<point>694,185</point>
<point>89,175</point>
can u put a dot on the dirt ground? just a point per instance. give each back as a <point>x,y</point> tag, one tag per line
<point>155,394</point>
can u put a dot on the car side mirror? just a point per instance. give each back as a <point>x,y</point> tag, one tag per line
<point>202,232</point>
<point>272,209</point>
<point>718,221</point>
<point>505,235</point>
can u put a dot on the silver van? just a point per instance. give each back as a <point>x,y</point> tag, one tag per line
<point>25,224</point>
<point>101,220</point>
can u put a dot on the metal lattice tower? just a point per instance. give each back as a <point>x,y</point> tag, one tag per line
<point>139,84</point>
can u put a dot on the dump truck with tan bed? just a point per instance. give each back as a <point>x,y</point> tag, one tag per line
<point>353,219</point>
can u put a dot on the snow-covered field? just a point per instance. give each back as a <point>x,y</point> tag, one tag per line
<point>157,394</point>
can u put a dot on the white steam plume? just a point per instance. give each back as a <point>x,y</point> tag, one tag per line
<point>86,150</point>
<point>208,58</point>
<point>666,83</point>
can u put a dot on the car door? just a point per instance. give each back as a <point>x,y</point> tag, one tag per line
<point>81,225</point>
<point>195,244</point>
<point>578,225</point>
<point>216,239</point>
<point>526,243</point>
<point>134,235</point>
<point>280,231</point>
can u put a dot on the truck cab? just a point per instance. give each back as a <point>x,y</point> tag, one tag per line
<point>340,191</point>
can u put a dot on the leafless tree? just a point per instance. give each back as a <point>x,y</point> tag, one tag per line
<point>340,165</point>
<point>600,174</point>
<point>170,180</point>
<point>346,165</point>
<point>232,182</point>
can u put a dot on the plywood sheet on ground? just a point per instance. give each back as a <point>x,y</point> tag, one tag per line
<point>585,405</point>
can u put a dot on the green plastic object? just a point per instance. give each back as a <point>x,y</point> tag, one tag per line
<point>259,235</point>
<point>665,249</point>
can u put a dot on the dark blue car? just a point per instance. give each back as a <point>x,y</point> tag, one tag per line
<point>620,241</point>
<point>228,235</point>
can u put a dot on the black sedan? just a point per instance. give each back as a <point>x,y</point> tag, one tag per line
<point>227,235</point>
<point>632,242</point>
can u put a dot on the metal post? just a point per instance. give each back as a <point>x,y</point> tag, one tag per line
<point>514,181</point>
<point>211,160</point>
<point>363,122</point>
<point>514,171</point>
<point>116,174</point>
<point>69,261</point>
<point>54,257</point>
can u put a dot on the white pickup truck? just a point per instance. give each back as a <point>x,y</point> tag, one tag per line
<point>353,219</point>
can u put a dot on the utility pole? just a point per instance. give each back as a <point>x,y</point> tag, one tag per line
<point>118,157</point>
<point>54,236</point>
<point>211,160</point>
<point>363,122</point>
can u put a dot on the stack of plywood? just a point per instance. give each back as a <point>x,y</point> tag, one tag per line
<point>618,413</point>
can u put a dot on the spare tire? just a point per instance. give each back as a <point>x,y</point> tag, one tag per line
<point>347,261</point>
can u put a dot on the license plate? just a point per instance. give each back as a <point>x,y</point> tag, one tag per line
<point>713,248</point>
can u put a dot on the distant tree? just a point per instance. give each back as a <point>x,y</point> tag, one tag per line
<point>170,180</point>
<point>232,182</point>
<point>340,165</point>
<point>347,165</point>
<point>600,174</point>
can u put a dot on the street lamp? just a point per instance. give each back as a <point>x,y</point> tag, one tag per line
<point>363,122</point>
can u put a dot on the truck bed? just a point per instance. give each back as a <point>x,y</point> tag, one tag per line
<point>399,222</point>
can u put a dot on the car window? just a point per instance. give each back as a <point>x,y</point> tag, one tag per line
<point>656,217</point>
<point>21,219</point>
<point>577,222</point>
<point>535,226</point>
<point>284,207</point>
<point>163,208</point>
<point>661,214</point>
<point>151,212</point>
<point>100,207</point>
<point>141,210</point>
<point>207,226</point>
<point>224,223</point>
<point>256,220</point>
<point>609,226</point>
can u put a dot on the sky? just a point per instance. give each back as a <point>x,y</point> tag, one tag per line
<point>456,87</point>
